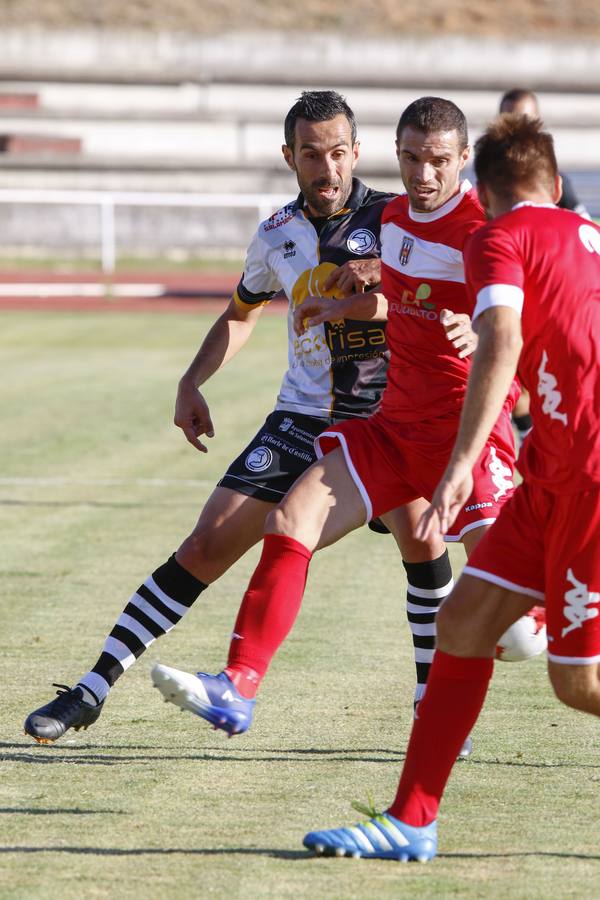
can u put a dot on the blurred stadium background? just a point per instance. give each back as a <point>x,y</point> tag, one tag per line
<point>144,137</point>
<point>148,134</point>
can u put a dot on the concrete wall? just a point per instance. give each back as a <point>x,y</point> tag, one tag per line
<point>273,57</point>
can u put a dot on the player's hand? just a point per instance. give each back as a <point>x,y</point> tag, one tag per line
<point>315,311</point>
<point>354,276</point>
<point>192,414</point>
<point>459,332</point>
<point>451,494</point>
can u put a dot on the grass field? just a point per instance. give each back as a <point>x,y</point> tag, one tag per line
<point>97,489</point>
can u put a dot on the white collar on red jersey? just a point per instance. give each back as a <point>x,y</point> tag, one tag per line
<point>448,207</point>
<point>531,203</point>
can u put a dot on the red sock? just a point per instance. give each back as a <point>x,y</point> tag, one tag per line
<point>268,610</point>
<point>456,689</point>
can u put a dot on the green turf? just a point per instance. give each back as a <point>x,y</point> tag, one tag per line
<point>150,802</point>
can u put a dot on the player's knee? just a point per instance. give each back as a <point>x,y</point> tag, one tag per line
<point>281,520</point>
<point>296,521</point>
<point>204,545</point>
<point>451,626</point>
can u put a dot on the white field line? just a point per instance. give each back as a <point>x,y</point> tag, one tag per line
<point>107,482</point>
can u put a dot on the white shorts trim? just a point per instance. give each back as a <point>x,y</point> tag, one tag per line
<point>353,473</point>
<point>574,660</point>
<point>470,527</point>
<point>503,582</point>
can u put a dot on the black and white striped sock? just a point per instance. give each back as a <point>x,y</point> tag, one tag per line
<point>155,608</point>
<point>429,583</point>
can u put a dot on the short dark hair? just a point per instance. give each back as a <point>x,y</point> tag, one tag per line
<point>428,114</point>
<point>515,95</point>
<point>515,151</point>
<point>317,106</point>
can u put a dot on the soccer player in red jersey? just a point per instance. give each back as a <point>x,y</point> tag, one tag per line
<point>523,102</point>
<point>534,275</point>
<point>374,467</point>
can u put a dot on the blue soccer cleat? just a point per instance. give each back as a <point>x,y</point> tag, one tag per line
<point>382,837</point>
<point>212,697</point>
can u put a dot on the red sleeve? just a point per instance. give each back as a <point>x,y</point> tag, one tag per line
<point>493,269</point>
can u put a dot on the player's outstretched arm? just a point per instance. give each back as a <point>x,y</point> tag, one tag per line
<point>494,366</point>
<point>226,338</point>
<point>354,276</point>
<point>459,332</point>
<point>360,307</point>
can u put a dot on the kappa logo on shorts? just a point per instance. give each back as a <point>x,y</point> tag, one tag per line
<point>578,600</point>
<point>361,241</point>
<point>259,459</point>
<point>501,474</point>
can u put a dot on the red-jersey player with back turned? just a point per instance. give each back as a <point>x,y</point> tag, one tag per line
<point>534,274</point>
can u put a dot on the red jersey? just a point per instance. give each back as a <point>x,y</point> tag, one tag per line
<point>544,262</point>
<point>423,273</point>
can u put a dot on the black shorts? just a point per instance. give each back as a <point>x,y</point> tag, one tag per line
<point>276,457</point>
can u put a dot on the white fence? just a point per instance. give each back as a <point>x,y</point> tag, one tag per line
<point>107,201</point>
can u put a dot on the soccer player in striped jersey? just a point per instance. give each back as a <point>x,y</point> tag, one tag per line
<point>325,242</point>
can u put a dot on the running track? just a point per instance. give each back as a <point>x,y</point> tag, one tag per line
<point>171,292</point>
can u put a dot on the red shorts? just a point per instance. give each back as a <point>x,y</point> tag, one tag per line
<point>393,463</point>
<point>547,546</point>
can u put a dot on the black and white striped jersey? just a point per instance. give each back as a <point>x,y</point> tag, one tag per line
<point>335,369</point>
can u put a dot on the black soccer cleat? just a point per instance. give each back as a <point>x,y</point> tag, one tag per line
<point>48,723</point>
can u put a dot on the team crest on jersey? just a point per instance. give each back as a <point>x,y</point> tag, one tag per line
<point>289,249</point>
<point>405,251</point>
<point>259,459</point>
<point>361,241</point>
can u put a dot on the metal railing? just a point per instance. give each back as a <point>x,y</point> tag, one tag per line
<point>107,201</point>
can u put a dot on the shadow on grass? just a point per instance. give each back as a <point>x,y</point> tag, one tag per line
<point>32,811</point>
<point>520,854</point>
<point>51,755</point>
<point>82,755</point>
<point>271,852</point>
